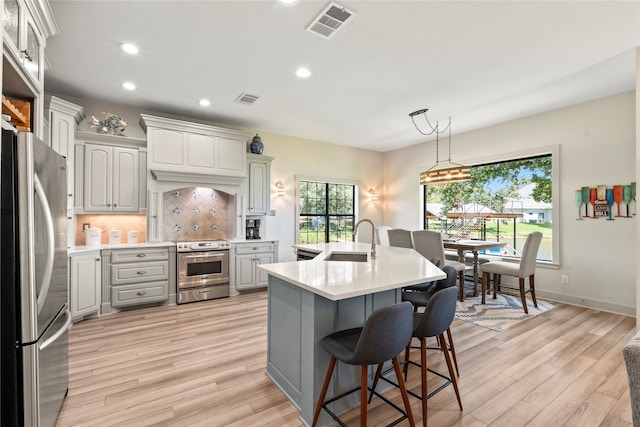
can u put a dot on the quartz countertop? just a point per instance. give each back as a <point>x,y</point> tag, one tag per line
<point>336,280</point>
<point>81,248</point>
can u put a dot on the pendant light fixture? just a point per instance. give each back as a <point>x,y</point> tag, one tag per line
<point>444,172</point>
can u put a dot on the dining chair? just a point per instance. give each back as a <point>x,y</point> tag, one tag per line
<point>429,244</point>
<point>400,238</point>
<point>382,236</point>
<point>435,320</point>
<point>525,268</point>
<point>384,335</point>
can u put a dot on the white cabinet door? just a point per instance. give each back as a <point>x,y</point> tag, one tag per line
<point>111,179</point>
<point>262,277</point>
<point>98,169</point>
<point>125,180</point>
<point>84,284</point>
<point>258,188</point>
<point>245,271</point>
<point>201,151</point>
<point>166,147</point>
<point>231,156</point>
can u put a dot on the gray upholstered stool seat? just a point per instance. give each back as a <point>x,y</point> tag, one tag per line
<point>384,335</point>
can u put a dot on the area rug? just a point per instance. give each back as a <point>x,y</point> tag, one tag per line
<point>500,313</point>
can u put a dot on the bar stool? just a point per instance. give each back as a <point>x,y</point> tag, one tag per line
<point>435,320</point>
<point>384,335</point>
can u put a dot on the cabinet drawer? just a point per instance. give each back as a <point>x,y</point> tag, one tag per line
<point>253,248</point>
<point>139,255</point>
<point>122,296</point>
<point>139,272</point>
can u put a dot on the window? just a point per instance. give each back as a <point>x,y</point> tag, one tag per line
<point>326,212</point>
<point>503,201</point>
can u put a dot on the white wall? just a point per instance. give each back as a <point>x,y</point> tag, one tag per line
<point>597,146</point>
<point>299,157</point>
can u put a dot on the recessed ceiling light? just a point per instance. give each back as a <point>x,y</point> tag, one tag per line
<point>290,2</point>
<point>128,86</point>
<point>204,102</point>
<point>303,73</point>
<point>129,48</point>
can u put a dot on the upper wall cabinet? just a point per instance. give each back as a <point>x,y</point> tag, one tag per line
<point>259,184</point>
<point>178,147</point>
<point>26,25</point>
<point>110,174</point>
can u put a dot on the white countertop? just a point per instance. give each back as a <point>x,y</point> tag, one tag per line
<point>80,249</point>
<point>336,280</point>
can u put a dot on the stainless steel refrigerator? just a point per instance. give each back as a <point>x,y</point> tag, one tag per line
<point>34,315</point>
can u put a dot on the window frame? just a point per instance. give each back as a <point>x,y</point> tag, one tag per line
<point>554,152</point>
<point>300,178</point>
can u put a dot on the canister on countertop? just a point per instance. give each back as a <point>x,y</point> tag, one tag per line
<point>115,237</point>
<point>92,236</point>
<point>132,236</point>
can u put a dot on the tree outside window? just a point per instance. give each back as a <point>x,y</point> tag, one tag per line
<point>502,201</point>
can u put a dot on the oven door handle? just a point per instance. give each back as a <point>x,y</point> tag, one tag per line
<point>203,256</point>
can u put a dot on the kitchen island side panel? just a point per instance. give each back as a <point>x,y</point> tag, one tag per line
<point>296,362</point>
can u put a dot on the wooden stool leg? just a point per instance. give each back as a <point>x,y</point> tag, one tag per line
<point>323,392</point>
<point>375,380</point>
<point>453,350</point>
<point>364,381</point>
<point>406,360</point>
<point>403,391</point>
<point>452,374</point>
<point>423,373</point>
<point>496,284</point>
<point>461,279</point>
<point>533,291</point>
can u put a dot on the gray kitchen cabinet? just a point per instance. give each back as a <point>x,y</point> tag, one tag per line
<point>180,147</point>
<point>63,117</point>
<point>259,184</point>
<point>247,257</point>
<point>110,175</point>
<point>85,284</point>
<point>138,276</point>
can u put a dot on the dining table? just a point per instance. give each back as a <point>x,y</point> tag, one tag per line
<point>473,246</point>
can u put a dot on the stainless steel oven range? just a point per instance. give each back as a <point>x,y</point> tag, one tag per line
<point>203,270</point>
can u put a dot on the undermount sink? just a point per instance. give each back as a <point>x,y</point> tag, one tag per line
<point>347,256</point>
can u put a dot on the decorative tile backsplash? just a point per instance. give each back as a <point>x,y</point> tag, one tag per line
<point>195,213</point>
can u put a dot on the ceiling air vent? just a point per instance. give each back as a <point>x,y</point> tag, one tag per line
<point>246,98</point>
<point>329,21</point>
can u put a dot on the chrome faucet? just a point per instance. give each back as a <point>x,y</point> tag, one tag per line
<point>373,235</point>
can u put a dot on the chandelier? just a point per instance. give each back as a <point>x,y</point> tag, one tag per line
<point>445,171</point>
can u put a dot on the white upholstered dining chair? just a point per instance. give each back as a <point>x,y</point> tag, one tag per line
<point>526,268</point>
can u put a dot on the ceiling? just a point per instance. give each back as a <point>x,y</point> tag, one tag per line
<point>478,62</point>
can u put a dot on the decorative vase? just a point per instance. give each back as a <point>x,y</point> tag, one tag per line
<point>256,145</point>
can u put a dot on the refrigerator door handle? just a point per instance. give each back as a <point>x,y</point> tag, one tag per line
<point>48,217</point>
<point>58,333</point>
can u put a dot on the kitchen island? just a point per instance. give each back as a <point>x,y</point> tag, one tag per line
<point>308,300</point>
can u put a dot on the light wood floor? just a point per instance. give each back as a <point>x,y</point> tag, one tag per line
<point>203,364</point>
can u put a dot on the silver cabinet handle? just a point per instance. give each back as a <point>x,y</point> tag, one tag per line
<point>141,293</point>
<point>142,272</point>
<point>141,255</point>
<point>27,54</point>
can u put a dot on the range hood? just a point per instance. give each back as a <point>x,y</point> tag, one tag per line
<point>195,178</point>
